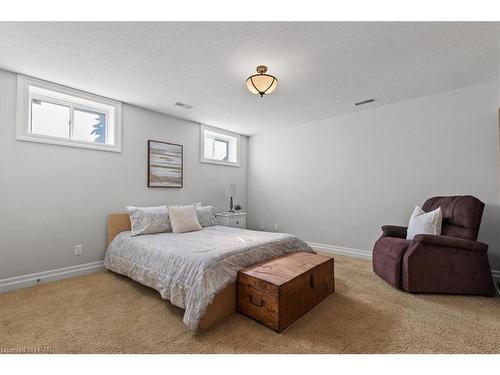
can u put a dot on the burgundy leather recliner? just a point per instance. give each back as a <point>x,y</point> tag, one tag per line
<point>453,262</point>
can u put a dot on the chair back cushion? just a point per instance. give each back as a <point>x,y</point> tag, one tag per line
<point>461,215</point>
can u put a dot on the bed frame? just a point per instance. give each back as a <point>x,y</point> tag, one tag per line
<point>224,303</point>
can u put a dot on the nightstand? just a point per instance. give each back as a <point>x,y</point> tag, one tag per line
<point>229,219</point>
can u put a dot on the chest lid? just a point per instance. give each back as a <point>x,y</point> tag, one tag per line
<point>275,273</point>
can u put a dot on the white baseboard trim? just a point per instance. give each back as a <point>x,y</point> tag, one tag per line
<point>496,279</point>
<point>355,253</point>
<point>25,281</point>
<point>496,275</point>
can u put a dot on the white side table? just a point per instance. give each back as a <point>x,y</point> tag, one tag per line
<point>230,219</point>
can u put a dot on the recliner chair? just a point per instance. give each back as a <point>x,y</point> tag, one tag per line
<point>453,262</point>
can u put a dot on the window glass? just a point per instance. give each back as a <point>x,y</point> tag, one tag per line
<point>220,150</point>
<point>89,126</point>
<point>50,119</point>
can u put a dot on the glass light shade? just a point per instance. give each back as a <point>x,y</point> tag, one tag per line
<point>262,84</point>
<point>231,190</point>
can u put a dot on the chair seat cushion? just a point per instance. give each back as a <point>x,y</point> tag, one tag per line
<point>387,258</point>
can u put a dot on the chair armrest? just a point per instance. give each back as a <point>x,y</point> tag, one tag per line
<point>448,241</point>
<point>394,231</point>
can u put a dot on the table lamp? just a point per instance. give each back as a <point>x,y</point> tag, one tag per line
<point>230,193</point>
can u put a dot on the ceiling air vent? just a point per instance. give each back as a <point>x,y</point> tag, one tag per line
<point>184,105</point>
<point>364,102</point>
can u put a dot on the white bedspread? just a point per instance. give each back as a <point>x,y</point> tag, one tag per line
<point>190,269</point>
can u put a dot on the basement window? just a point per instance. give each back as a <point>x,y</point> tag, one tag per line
<point>219,146</point>
<point>53,114</point>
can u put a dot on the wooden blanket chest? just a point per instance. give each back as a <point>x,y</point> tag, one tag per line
<point>279,291</point>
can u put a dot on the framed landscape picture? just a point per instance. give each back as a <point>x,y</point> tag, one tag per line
<point>165,164</point>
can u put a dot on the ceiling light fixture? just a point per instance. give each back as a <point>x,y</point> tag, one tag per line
<point>262,83</point>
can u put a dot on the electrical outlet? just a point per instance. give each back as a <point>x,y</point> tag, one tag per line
<point>261,225</point>
<point>275,227</point>
<point>78,249</point>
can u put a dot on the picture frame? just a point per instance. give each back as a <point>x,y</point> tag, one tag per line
<point>165,165</point>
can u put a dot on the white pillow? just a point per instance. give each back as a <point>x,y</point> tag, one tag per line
<point>148,220</point>
<point>206,216</point>
<point>422,222</point>
<point>183,219</point>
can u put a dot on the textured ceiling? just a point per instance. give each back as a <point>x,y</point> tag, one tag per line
<point>323,68</point>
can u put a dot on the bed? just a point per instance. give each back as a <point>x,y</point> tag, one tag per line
<point>195,271</point>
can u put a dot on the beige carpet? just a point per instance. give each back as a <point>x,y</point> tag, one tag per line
<point>107,313</point>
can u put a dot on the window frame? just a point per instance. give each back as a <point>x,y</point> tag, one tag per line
<point>24,112</point>
<point>223,133</point>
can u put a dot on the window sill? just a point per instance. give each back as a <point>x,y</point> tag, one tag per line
<point>219,162</point>
<point>63,142</point>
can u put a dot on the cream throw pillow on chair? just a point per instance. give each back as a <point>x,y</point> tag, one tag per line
<point>422,222</point>
<point>183,219</point>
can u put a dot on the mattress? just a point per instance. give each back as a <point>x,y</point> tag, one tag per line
<point>190,269</point>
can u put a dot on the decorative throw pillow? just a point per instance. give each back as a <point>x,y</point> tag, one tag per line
<point>149,220</point>
<point>183,219</point>
<point>422,222</point>
<point>205,215</point>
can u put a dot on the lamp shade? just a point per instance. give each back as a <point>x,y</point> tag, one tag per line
<point>231,190</point>
<point>262,83</point>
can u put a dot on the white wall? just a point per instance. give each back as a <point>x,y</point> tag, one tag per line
<point>54,197</point>
<point>336,181</point>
